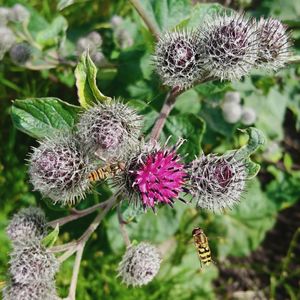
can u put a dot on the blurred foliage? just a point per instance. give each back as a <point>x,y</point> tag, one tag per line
<point>53,29</point>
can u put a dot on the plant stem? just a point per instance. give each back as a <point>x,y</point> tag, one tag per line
<point>145,16</point>
<point>76,267</point>
<point>77,214</point>
<point>123,228</point>
<point>164,113</point>
<point>294,59</point>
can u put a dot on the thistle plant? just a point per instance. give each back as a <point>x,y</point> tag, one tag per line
<point>217,182</point>
<point>177,59</point>
<point>274,44</point>
<point>58,168</point>
<point>111,130</point>
<point>153,175</point>
<point>112,138</point>
<point>20,53</point>
<point>139,265</point>
<point>27,224</point>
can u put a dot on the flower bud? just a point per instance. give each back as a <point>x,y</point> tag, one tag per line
<point>231,112</point>
<point>26,225</point>
<point>248,116</point>
<point>139,265</point>
<point>216,182</point>
<point>20,53</point>
<point>32,264</point>
<point>228,46</point>
<point>59,169</point>
<point>6,41</point>
<point>4,15</point>
<point>116,21</point>
<point>177,59</point>
<point>32,291</point>
<point>232,97</point>
<point>274,44</point>
<point>19,13</point>
<point>92,42</point>
<point>110,129</point>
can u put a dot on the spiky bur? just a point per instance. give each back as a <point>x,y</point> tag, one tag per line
<point>28,224</point>
<point>19,13</point>
<point>91,42</point>
<point>6,41</point>
<point>32,263</point>
<point>216,182</point>
<point>110,129</point>
<point>153,175</point>
<point>139,265</point>
<point>248,116</point>
<point>177,59</point>
<point>59,169</point>
<point>20,53</point>
<point>274,44</point>
<point>32,291</point>
<point>228,46</point>
<point>4,15</point>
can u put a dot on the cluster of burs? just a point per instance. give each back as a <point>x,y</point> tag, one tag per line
<point>32,267</point>
<point>21,48</point>
<point>224,47</point>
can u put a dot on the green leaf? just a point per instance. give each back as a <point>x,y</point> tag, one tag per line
<point>86,73</point>
<point>199,13</point>
<point>256,139</point>
<point>54,33</point>
<point>189,127</point>
<point>51,238</point>
<point>243,229</point>
<point>167,13</point>
<point>41,117</point>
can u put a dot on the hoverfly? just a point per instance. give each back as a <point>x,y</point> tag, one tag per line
<point>201,243</point>
<point>107,171</point>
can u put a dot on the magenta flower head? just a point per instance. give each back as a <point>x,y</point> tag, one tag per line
<point>229,46</point>
<point>274,44</point>
<point>153,175</point>
<point>216,182</point>
<point>177,59</point>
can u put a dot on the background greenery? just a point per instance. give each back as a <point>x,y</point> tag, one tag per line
<point>255,245</point>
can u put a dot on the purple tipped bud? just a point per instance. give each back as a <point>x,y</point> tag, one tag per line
<point>6,41</point>
<point>274,44</point>
<point>177,59</point>
<point>27,224</point>
<point>32,264</point>
<point>32,291</point>
<point>228,46</point>
<point>19,13</point>
<point>59,169</point>
<point>20,53</point>
<point>110,129</point>
<point>248,116</point>
<point>139,265</point>
<point>216,182</point>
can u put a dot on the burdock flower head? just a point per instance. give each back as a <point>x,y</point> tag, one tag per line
<point>177,59</point>
<point>20,53</point>
<point>274,44</point>
<point>139,265</point>
<point>111,129</point>
<point>228,46</point>
<point>32,263</point>
<point>26,225</point>
<point>216,182</point>
<point>32,291</point>
<point>153,175</point>
<point>59,169</point>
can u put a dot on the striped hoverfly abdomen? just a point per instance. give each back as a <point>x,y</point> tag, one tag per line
<point>107,171</point>
<point>201,243</point>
